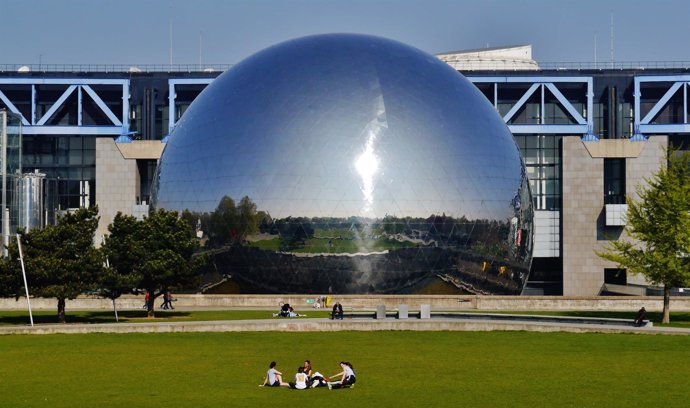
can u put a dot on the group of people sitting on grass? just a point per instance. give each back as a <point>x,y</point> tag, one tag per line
<point>307,378</point>
<point>287,311</point>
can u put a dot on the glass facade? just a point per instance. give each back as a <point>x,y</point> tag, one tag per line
<point>351,164</point>
<point>68,162</point>
<point>542,156</point>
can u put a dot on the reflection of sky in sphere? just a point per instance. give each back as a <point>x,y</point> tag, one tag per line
<point>340,126</point>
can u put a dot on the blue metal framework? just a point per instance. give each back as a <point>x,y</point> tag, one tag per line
<point>38,126</point>
<point>172,96</point>
<point>645,124</point>
<point>585,122</point>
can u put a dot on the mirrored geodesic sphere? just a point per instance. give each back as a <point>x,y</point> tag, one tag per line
<point>350,164</point>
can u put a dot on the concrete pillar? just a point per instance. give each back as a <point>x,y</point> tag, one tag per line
<point>425,312</point>
<point>380,311</point>
<point>403,311</point>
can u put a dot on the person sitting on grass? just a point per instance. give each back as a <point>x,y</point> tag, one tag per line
<point>337,312</point>
<point>315,378</point>
<point>300,380</point>
<point>347,376</point>
<point>274,378</point>
<point>287,311</point>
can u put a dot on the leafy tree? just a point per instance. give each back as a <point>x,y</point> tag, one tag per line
<point>247,219</point>
<point>10,278</point>
<point>61,261</point>
<point>156,252</point>
<point>121,255</point>
<point>222,222</point>
<point>660,224</point>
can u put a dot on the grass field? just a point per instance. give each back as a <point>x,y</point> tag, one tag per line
<point>334,246</point>
<point>678,319</point>
<point>394,369</point>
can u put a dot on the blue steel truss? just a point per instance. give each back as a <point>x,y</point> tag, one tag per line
<point>172,96</point>
<point>34,125</point>
<point>119,124</point>
<point>584,121</point>
<point>645,125</point>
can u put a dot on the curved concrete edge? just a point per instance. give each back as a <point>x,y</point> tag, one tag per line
<point>325,325</point>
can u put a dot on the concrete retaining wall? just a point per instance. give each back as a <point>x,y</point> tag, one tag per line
<point>324,325</point>
<point>369,302</point>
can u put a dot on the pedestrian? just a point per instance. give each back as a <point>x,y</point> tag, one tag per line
<point>167,300</point>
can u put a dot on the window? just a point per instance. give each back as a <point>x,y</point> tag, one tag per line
<point>543,162</point>
<point>67,161</point>
<point>615,276</point>
<point>614,181</point>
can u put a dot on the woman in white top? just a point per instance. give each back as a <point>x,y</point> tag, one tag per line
<point>300,380</point>
<point>347,376</point>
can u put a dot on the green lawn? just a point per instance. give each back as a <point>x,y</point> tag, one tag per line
<point>678,319</point>
<point>394,369</point>
<point>140,316</point>
<point>335,246</point>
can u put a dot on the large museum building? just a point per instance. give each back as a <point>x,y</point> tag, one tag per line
<point>589,135</point>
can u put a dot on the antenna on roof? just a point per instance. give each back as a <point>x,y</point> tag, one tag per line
<point>612,39</point>
<point>171,38</point>
<point>595,50</point>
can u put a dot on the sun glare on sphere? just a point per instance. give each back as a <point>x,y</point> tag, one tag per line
<point>367,164</point>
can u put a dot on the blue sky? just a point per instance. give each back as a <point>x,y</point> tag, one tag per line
<point>224,32</point>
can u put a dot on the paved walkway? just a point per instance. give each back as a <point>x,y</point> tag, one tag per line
<point>322,324</point>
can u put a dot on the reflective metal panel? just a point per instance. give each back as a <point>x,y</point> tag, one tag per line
<point>350,164</point>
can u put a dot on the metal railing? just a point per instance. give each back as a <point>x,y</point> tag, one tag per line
<point>117,68</point>
<point>217,68</point>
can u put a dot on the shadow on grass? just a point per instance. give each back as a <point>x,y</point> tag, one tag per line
<point>88,317</point>
<point>681,319</point>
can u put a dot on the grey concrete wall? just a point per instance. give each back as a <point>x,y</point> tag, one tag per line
<point>326,325</point>
<point>583,214</point>
<point>583,203</point>
<point>369,302</point>
<point>117,180</point>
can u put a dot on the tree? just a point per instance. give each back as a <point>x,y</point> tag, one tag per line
<point>157,253</point>
<point>10,278</point>
<point>61,261</point>
<point>660,225</point>
<point>116,281</point>
<point>222,222</point>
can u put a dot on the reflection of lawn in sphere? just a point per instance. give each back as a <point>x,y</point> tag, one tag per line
<point>401,369</point>
<point>334,242</point>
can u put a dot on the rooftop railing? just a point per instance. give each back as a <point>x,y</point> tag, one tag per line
<point>217,68</point>
<point>115,68</point>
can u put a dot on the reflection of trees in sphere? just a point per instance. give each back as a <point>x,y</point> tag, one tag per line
<point>353,163</point>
